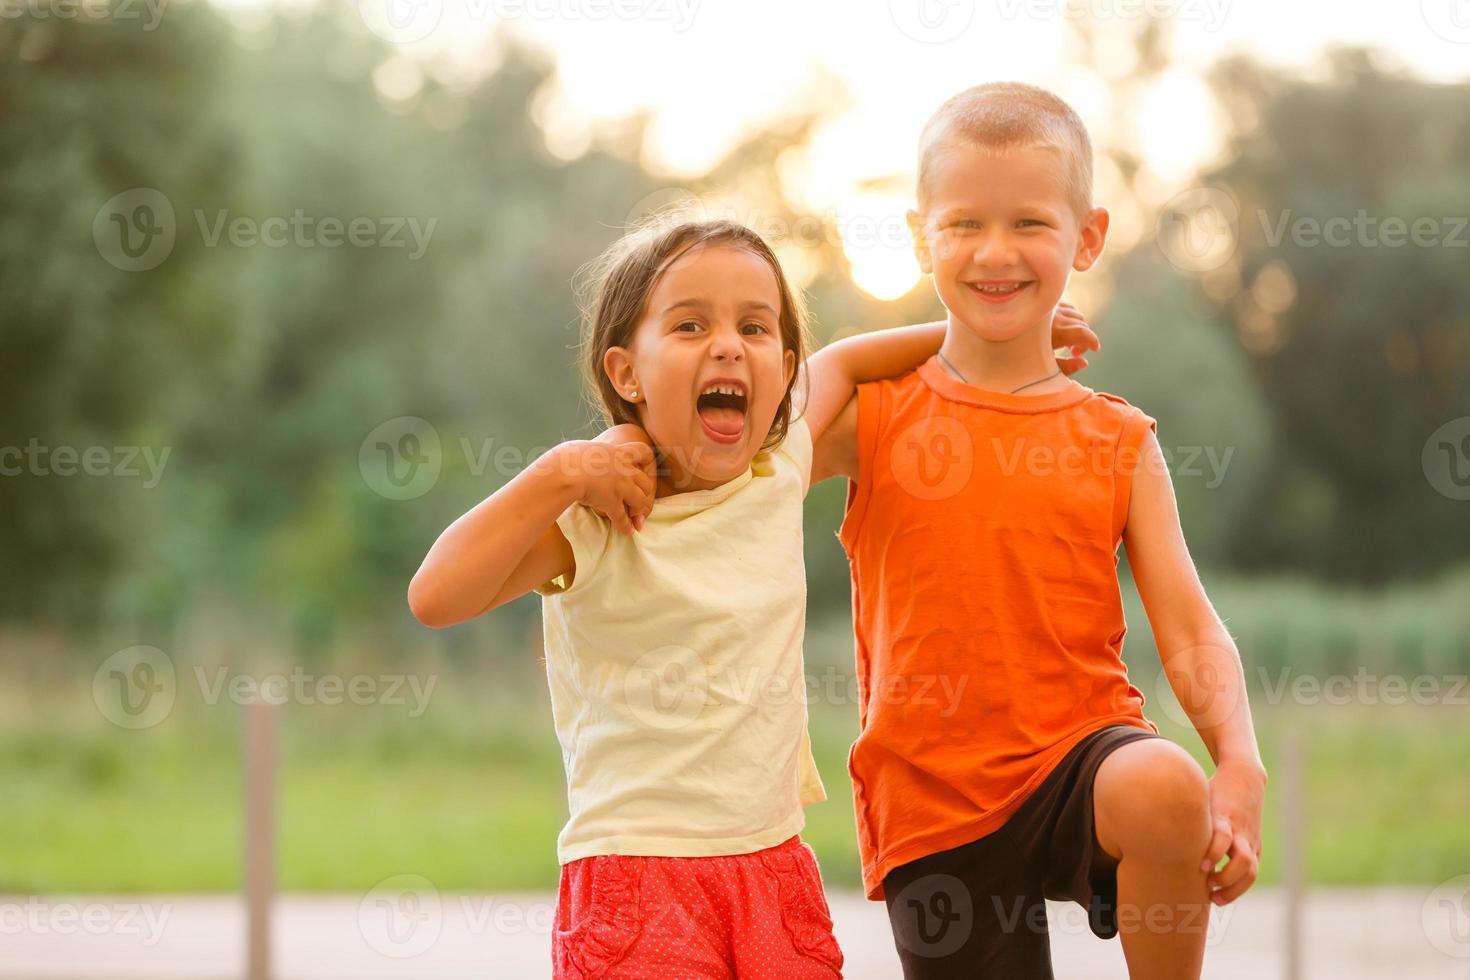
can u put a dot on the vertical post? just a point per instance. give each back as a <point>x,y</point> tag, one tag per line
<point>260,806</point>
<point>1293,843</point>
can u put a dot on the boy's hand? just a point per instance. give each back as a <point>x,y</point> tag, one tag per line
<point>619,478</point>
<point>1237,795</point>
<point>1070,330</point>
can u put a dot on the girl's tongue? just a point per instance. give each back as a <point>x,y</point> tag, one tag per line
<point>722,424</point>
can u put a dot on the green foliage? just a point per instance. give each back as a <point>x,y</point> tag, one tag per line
<point>261,370</point>
<point>1373,353</point>
<point>470,792</point>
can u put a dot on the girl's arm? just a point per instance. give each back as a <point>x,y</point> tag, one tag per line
<point>509,543</point>
<point>834,372</point>
<point>1204,669</point>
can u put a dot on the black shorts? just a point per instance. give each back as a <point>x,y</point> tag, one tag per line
<point>979,910</point>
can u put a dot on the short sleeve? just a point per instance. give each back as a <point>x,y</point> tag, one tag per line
<point>1128,458</point>
<point>796,448</point>
<point>588,532</point>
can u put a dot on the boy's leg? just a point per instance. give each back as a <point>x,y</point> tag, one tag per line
<point>974,912</point>
<point>1152,820</point>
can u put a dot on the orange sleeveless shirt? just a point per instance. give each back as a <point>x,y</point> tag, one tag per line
<point>983,536</point>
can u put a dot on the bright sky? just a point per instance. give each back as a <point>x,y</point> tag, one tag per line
<point>710,71</point>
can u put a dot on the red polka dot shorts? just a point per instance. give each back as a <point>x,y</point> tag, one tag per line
<point>757,916</point>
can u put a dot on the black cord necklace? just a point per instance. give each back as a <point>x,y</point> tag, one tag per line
<point>956,372</point>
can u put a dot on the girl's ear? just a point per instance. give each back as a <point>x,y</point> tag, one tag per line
<point>789,357</point>
<point>617,364</point>
<point>921,247</point>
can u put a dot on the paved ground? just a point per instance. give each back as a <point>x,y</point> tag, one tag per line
<point>405,930</point>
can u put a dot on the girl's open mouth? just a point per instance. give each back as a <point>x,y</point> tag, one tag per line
<point>721,409</point>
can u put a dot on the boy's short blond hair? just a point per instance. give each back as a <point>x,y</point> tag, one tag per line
<point>1004,116</point>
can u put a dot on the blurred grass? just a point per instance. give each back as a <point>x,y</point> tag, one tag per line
<point>470,793</point>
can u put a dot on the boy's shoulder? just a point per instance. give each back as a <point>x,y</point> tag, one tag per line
<point>1113,404</point>
<point>907,379</point>
<point>1113,419</point>
<point>1121,410</point>
<point>914,384</point>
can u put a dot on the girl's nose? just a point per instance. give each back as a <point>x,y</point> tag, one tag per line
<point>726,345</point>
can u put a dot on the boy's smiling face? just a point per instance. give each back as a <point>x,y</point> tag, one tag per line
<point>1000,235</point>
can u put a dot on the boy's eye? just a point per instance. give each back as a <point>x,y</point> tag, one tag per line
<point>1024,222</point>
<point>965,223</point>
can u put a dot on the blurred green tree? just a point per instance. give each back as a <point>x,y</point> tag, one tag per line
<point>1359,340</point>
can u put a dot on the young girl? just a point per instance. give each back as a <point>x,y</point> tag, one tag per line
<point>674,602</point>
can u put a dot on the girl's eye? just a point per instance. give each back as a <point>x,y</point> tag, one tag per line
<point>687,323</point>
<point>758,327</point>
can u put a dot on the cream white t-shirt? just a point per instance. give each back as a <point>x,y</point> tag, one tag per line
<point>675,667</point>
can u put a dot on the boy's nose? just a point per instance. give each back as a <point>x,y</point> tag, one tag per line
<point>995,250</point>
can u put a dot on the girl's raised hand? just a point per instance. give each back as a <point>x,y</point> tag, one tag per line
<point>1070,330</point>
<point>620,476</point>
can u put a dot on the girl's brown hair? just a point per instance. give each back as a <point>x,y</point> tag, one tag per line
<point>615,289</point>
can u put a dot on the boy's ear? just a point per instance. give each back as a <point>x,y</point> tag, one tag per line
<point>921,247</point>
<point>617,363</point>
<point>1094,233</point>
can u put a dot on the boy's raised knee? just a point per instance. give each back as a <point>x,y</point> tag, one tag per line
<point>1151,801</point>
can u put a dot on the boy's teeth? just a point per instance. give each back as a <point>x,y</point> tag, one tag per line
<point>998,289</point>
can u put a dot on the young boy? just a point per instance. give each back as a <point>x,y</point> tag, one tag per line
<point>988,496</point>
